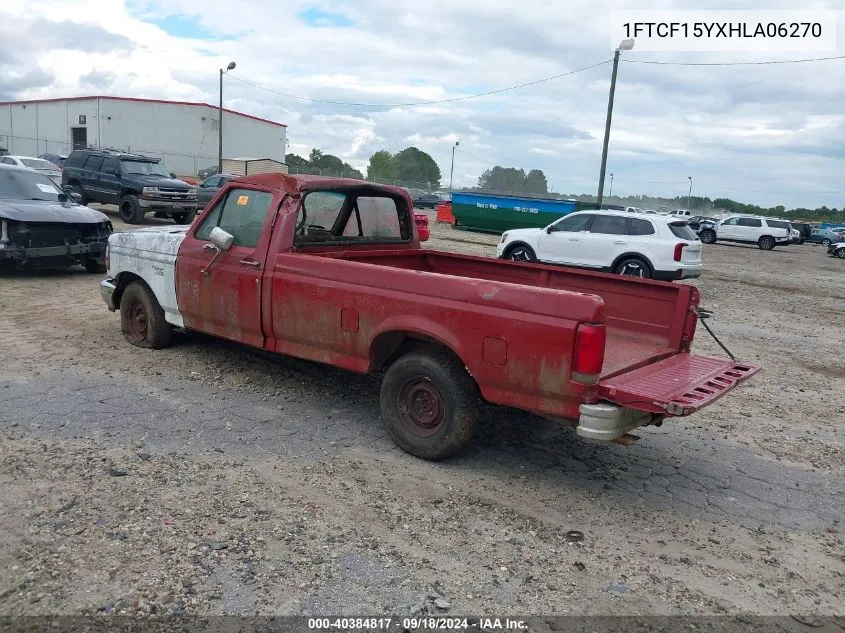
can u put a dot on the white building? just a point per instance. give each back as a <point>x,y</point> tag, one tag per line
<point>184,135</point>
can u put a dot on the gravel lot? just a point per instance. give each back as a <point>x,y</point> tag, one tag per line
<point>209,478</point>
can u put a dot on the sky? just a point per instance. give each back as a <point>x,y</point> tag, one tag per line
<point>765,134</point>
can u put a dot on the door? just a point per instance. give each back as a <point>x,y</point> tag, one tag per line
<point>560,244</point>
<point>109,180</point>
<point>219,292</point>
<point>79,137</point>
<point>748,229</point>
<point>606,240</point>
<point>728,229</point>
<point>90,178</point>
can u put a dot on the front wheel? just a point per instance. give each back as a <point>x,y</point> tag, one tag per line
<point>633,267</point>
<point>94,265</point>
<point>130,210</point>
<point>142,319</point>
<point>521,253</point>
<point>840,253</point>
<point>707,236</point>
<point>182,218</point>
<point>826,242</point>
<point>766,243</point>
<point>429,403</point>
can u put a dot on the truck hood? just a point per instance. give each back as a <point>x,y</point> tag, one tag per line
<point>47,211</point>
<point>159,181</point>
<point>148,240</point>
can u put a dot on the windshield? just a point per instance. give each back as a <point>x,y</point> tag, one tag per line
<point>143,168</point>
<point>37,163</point>
<point>16,184</point>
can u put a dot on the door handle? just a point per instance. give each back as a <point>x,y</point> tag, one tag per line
<point>251,262</point>
<point>618,241</point>
<point>574,239</point>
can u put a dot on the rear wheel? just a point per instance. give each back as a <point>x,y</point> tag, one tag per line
<point>521,253</point>
<point>130,211</point>
<point>83,199</point>
<point>429,403</point>
<point>766,243</point>
<point>182,218</point>
<point>840,253</point>
<point>142,319</point>
<point>708,236</point>
<point>826,242</point>
<point>633,267</point>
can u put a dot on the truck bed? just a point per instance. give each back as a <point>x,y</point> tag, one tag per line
<point>644,319</point>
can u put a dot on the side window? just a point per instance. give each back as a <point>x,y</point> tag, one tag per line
<point>636,226</point>
<point>242,214</point>
<point>111,166</point>
<point>609,225</point>
<point>211,182</point>
<point>573,224</point>
<point>93,163</point>
<point>6,161</point>
<point>378,217</point>
<point>753,222</point>
<point>731,222</point>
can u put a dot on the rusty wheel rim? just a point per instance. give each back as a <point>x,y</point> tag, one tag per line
<point>421,407</point>
<point>137,320</point>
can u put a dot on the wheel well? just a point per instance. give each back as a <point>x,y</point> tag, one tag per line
<point>513,245</point>
<point>639,256</point>
<point>128,192</point>
<point>387,347</point>
<point>123,280</point>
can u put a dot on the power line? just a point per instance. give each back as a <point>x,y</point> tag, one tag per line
<point>419,103</point>
<point>762,63</point>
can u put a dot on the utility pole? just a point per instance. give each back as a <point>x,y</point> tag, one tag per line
<point>689,195</point>
<point>452,170</point>
<point>625,45</point>
<point>231,66</point>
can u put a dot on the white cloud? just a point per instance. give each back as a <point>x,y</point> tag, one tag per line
<point>767,134</point>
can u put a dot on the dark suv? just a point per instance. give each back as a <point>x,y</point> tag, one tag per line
<point>137,184</point>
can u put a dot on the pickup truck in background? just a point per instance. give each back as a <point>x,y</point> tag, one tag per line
<point>332,270</point>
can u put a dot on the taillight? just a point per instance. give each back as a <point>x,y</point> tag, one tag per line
<point>588,356</point>
<point>679,248</point>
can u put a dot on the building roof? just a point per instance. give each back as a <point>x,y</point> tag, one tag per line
<point>140,100</point>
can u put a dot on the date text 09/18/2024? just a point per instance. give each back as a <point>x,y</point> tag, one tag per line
<point>415,623</point>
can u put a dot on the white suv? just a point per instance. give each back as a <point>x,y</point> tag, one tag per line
<point>638,245</point>
<point>748,229</point>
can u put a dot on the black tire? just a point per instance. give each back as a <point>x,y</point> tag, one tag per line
<point>429,404</point>
<point>633,267</point>
<point>130,211</point>
<point>707,236</point>
<point>94,265</point>
<point>183,218</point>
<point>766,243</point>
<point>83,200</point>
<point>826,242</point>
<point>142,319</point>
<point>840,253</point>
<point>521,253</point>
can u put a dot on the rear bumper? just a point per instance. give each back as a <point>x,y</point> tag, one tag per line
<point>685,272</point>
<point>107,290</point>
<point>605,422</point>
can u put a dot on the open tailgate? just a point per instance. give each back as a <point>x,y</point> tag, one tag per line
<point>678,385</point>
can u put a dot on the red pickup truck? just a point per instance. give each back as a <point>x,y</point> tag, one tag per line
<point>332,270</point>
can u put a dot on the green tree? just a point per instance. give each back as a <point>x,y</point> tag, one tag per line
<point>296,163</point>
<point>414,165</point>
<point>535,182</point>
<point>382,165</point>
<point>512,180</point>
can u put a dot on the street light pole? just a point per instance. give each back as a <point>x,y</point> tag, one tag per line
<point>452,170</point>
<point>689,195</point>
<point>610,191</point>
<point>625,45</point>
<point>231,66</point>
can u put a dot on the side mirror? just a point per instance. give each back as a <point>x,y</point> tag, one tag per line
<point>75,196</point>
<point>221,239</point>
<point>63,197</point>
<point>550,229</point>
<point>172,175</point>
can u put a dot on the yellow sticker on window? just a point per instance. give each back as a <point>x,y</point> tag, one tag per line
<point>243,201</point>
